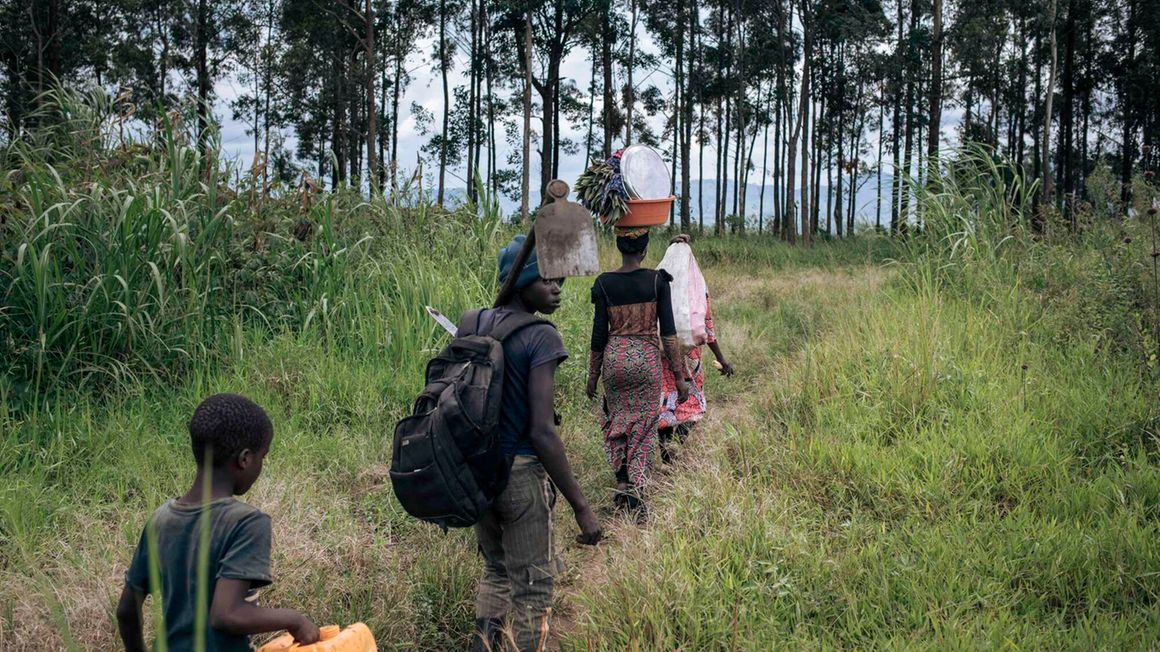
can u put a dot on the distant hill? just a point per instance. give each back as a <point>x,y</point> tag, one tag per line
<point>705,193</point>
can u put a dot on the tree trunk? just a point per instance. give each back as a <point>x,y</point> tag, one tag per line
<point>591,108</point>
<point>1064,157</point>
<point>395,91</point>
<point>267,91</point>
<point>740,197</point>
<point>556,57</point>
<point>907,157</point>
<point>803,122</point>
<point>745,167</point>
<point>789,164</point>
<point>852,184</point>
<point>687,107</point>
<point>472,75</point>
<point>1087,106</point>
<point>764,170</point>
<point>446,100</point>
<point>1128,102</point>
<point>775,178</point>
<point>896,129</point>
<point>201,65</point>
<point>52,37</point>
<point>479,62</point>
<point>701,169</point>
<point>606,67</point>
<point>934,101</point>
<point>818,115</point>
<point>1049,96</point>
<point>630,89</point>
<point>675,151</point>
<point>353,142</point>
<point>372,126</point>
<point>382,104</point>
<point>549,110</point>
<point>836,145</point>
<point>881,139</point>
<point>488,71</point>
<point>677,88</point>
<point>723,147</point>
<point>527,151</point>
<point>163,60</point>
<point>904,199</point>
<point>700,133</point>
<point>338,140</point>
<point>1021,129</point>
<point>738,157</point>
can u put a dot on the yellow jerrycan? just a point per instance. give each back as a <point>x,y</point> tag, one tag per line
<point>356,638</point>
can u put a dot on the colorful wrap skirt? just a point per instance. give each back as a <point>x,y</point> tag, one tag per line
<point>632,391</point>
<point>691,411</point>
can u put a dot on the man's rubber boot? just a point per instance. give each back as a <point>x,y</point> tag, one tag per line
<point>488,636</point>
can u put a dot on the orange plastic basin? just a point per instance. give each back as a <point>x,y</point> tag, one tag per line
<point>646,212</point>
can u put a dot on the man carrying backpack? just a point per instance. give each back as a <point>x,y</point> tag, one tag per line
<point>515,535</point>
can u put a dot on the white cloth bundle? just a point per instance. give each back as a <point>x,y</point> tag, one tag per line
<point>689,293</point>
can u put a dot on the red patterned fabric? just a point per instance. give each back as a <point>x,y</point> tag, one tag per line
<point>693,408</point>
<point>632,390</point>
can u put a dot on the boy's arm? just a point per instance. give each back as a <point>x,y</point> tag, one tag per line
<point>129,619</point>
<point>550,449</point>
<point>233,614</point>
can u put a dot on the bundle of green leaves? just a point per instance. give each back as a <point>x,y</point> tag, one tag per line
<point>601,190</point>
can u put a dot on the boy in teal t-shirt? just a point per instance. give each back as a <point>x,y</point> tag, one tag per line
<point>235,434</point>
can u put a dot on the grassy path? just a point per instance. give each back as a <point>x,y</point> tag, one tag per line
<point>894,466</point>
<point>764,322</point>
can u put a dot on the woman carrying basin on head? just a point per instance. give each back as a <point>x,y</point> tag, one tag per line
<point>629,305</point>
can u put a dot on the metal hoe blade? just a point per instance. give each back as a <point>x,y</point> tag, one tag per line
<point>565,237</point>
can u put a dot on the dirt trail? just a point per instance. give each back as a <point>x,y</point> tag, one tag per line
<point>746,345</point>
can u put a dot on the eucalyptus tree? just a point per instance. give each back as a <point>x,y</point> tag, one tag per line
<point>555,29</point>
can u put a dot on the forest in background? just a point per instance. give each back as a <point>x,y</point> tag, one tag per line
<point>796,98</point>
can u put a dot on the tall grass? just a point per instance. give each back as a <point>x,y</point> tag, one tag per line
<point>968,458</point>
<point>957,452</point>
<point>133,260</point>
<point>133,284</point>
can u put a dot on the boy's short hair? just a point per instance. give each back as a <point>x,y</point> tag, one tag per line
<point>229,424</point>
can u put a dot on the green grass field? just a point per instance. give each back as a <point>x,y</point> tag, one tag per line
<point>950,443</point>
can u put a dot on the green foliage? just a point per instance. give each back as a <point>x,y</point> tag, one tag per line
<point>968,457</point>
<point>955,450</point>
<point>122,263</point>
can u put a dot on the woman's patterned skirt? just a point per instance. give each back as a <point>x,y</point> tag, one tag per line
<point>632,394</point>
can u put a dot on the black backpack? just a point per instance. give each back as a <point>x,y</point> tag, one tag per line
<point>447,466</point>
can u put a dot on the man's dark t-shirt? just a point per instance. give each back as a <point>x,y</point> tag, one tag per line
<point>530,347</point>
<point>239,548</point>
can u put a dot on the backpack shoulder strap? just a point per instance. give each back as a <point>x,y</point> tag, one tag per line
<point>469,322</point>
<point>515,322</point>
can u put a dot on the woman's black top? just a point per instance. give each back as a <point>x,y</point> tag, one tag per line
<point>631,303</point>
